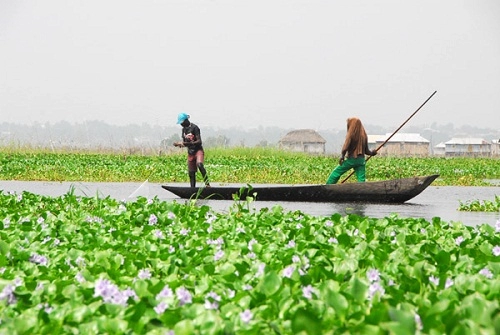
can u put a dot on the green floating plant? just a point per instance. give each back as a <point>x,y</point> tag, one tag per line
<point>90,265</point>
<point>481,206</point>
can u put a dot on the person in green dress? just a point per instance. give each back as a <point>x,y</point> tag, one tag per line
<point>355,147</point>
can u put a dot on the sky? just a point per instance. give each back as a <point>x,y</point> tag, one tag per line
<point>251,63</point>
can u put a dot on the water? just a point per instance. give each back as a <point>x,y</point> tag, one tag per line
<point>435,201</point>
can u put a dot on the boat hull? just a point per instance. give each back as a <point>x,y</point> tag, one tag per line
<point>389,191</point>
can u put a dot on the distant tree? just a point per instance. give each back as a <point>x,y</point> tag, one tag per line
<point>262,144</point>
<point>220,141</point>
<point>167,143</point>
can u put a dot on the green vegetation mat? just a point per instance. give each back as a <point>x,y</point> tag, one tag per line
<point>83,265</point>
<point>240,165</point>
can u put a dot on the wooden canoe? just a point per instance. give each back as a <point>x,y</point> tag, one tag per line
<point>390,191</point>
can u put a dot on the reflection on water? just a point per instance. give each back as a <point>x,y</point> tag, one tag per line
<point>435,201</point>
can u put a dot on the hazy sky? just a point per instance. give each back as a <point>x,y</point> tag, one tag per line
<point>293,63</point>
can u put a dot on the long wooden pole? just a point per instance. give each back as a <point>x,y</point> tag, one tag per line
<point>394,133</point>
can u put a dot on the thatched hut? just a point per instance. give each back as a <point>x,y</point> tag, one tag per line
<point>303,140</point>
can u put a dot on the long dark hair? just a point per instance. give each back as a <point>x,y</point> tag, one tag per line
<point>356,137</point>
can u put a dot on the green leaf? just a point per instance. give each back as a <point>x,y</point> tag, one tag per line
<point>270,284</point>
<point>439,307</point>
<point>305,321</point>
<point>4,248</point>
<point>78,314</point>
<point>358,290</point>
<point>184,327</point>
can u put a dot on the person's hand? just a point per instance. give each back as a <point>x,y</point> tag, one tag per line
<point>178,144</point>
<point>374,152</point>
<point>341,160</point>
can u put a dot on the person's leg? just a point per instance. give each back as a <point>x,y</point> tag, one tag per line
<point>360,169</point>
<point>192,170</point>
<point>200,157</point>
<point>337,173</point>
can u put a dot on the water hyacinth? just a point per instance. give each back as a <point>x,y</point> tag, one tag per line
<point>7,294</point>
<point>153,220</point>
<point>373,275</point>
<point>307,291</point>
<point>288,271</point>
<point>144,274</point>
<point>39,259</point>
<point>434,280</point>
<point>254,271</point>
<point>486,272</point>
<point>496,250</point>
<point>184,296</point>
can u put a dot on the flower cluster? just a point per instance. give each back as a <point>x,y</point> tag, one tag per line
<point>110,293</point>
<point>373,276</point>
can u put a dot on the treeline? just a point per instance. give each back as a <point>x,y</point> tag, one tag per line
<point>147,138</point>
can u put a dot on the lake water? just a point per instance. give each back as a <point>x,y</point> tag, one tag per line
<point>435,201</point>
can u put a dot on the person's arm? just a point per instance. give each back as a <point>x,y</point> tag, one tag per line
<point>181,143</point>
<point>368,151</point>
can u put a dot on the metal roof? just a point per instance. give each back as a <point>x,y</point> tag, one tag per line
<point>467,141</point>
<point>404,137</point>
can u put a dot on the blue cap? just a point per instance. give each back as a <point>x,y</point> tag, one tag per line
<point>182,117</point>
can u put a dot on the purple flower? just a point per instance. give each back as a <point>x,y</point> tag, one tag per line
<point>497,226</point>
<point>246,316</point>
<point>333,240</point>
<point>418,322</point>
<point>211,304</point>
<point>213,295</point>
<point>144,274</point>
<point>159,234</point>
<point>218,255</point>
<point>374,288</point>
<point>288,271</point>
<point>291,244</point>
<point>434,280</point>
<point>449,282</point>
<point>251,243</point>
<point>39,259</point>
<point>6,223</point>
<point>161,307</point>
<point>260,270</point>
<point>373,275</point>
<point>459,240</point>
<point>496,251</point>
<point>152,220</point>
<point>184,296</point>
<point>329,223</point>
<point>486,272</point>
<point>165,293</point>
<point>307,291</point>
<point>171,215</point>
<point>79,277</point>
<point>210,218</point>
<point>8,294</point>
<point>230,293</point>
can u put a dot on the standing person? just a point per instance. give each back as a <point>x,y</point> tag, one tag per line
<point>191,138</point>
<point>355,146</point>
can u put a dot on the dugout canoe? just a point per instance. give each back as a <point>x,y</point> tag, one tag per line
<point>389,191</point>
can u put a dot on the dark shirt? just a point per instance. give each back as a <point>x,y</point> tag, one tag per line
<point>191,134</point>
